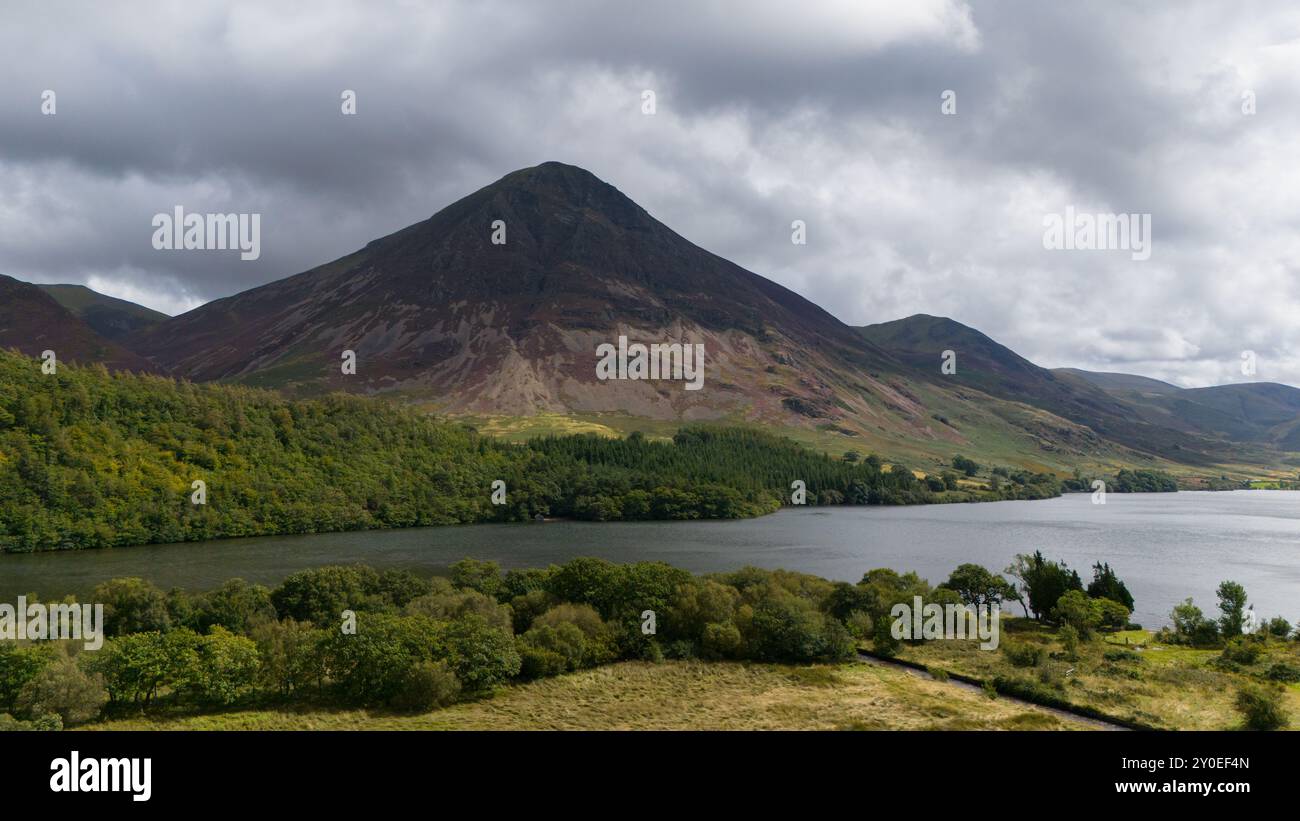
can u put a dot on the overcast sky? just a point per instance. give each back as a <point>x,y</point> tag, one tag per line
<point>766,112</point>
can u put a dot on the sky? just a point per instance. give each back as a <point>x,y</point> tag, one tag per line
<point>832,113</point>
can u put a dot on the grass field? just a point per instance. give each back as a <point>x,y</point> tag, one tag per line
<point>674,696</point>
<point>1160,685</point>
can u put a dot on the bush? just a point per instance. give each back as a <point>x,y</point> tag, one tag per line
<point>428,685</point>
<point>46,722</point>
<point>1027,689</point>
<point>789,629</point>
<point>564,640</point>
<point>18,666</point>
<point>1261,707</point>
<point>1192,627</point>
<point>1069,641</point>
<point>1240,651</point>
<point>527,606</point>
<point>594,642</point>
<point>538,662</point>
<point>1022,654</point>
<point>471,574</point>
<point>1283,672</point>
<point>1279,627</point>
<point>62,688</point>
<point>721,641</point>
<point>858,624</point>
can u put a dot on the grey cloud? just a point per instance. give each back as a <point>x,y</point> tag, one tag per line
<point>767,113</point>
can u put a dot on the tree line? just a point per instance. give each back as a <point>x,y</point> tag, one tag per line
<point>93,459</point>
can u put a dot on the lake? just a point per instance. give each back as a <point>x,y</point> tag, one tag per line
<point>1165,546</point>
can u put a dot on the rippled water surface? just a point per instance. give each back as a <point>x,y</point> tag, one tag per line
<point>1165,546</point>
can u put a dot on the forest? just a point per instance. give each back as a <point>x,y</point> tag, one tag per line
<point>91,459</point>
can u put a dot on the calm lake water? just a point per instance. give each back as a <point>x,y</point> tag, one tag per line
<point>1166,547</point>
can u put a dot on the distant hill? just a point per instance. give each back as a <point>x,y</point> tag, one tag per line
<point>109,316</point>
<point>988,366</point>
<point>32,321</point>
<point>1264,413</point>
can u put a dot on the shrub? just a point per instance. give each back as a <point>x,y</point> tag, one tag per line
<point>1192,627</point>
<point>721,641</point>
<point>528,606</point>
<point>427,686</point>
<point>1022,654</point>
<point>19,665</point>
<point>1283,672</point>
<point>858,624</point>
<point>1069,641</point>
<point>45,722</point>
<point>790,629</point>
<point>564,640</point>
<point>538,662</point>
<point>595,642</point>
<point>64,689</point>
<point>1240,651</point>
<point>1278,626</point>
<point>1027,689</point>
<point>1261,707</point>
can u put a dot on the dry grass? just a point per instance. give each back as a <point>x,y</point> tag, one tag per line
<point>1166,686</point>
<point>675,696</point>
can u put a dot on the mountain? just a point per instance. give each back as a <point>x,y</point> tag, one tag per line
<point>32,321</point>
<point>988,366</point>
<point>442,316</point>
<point>1264,413</point>
<point>439,314</point>
<point>110,317</point>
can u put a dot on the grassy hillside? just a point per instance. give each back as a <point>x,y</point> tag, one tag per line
<point>111,317</point>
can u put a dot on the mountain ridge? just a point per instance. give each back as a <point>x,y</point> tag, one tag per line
<point>442,315</point>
